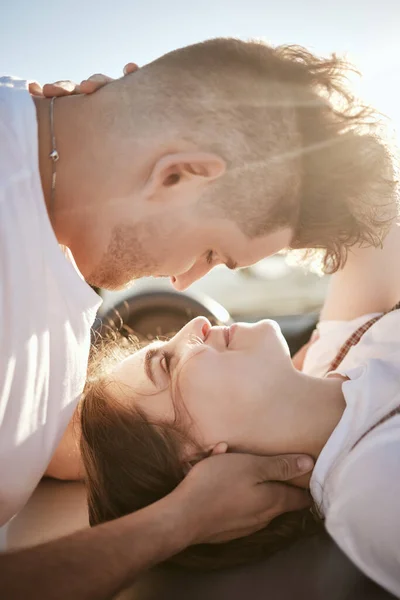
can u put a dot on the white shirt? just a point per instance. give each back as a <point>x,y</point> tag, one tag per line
<point>46,311</point>
<point>358,490</point>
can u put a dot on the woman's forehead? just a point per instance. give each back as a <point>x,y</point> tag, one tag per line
<point>131,385</point>
<point>131,371</point>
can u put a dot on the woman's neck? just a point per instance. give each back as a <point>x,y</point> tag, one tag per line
<point>310,416</point>
<point>300,419</point>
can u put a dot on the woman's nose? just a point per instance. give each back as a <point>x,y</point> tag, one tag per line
<point>197,328</point>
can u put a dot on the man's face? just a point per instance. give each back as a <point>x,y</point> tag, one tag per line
<point>182,246</point>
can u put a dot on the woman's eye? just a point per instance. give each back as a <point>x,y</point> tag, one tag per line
<point>165,363</point>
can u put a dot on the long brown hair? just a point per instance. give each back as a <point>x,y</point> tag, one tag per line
<point>131,462</point>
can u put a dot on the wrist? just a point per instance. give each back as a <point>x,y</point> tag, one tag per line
<point>188,516</point>
<point>171,515</point>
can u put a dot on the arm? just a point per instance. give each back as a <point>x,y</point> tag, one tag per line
<point>94,564</point>
<point>222,497</point>
<point>369,282</point>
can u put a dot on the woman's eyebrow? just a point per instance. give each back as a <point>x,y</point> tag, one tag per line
<point>148,363</point>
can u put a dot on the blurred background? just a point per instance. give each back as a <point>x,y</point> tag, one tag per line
<point>52,40</point>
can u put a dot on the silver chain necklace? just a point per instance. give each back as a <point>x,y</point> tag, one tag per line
<point>54,156</point>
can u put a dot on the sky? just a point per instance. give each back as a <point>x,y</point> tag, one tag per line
<point>48,40</point>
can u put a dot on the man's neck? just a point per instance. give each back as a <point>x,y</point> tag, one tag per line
<point>42,106</point>
<point>68,120</point>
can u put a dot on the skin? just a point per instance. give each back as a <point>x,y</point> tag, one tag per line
<point>121,223</point>
<point>233,388</point>
<point>90,554</point>
<point>98,563</point>
<point>91,200</point>
<point>95,564</point>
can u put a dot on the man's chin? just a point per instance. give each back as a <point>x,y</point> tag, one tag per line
<point>110,284</point>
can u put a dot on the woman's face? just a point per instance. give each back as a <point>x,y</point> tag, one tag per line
<point>218,379</point>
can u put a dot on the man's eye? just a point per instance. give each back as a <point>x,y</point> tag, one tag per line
<point>165,362</point>
<point>210,257</point>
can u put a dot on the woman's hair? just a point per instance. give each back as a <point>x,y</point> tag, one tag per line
<point>131,462</point>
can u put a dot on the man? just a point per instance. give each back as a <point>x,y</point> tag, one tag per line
<point>220,152</point>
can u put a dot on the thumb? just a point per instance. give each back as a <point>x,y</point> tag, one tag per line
<point>288,498</point>
<point>285,466</point>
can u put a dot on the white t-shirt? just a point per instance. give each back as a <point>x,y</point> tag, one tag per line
<point>46,311</point>
<point>358,490</point>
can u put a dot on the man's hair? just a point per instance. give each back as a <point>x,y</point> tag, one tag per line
<point>301,151</point>
<point>131,462</point>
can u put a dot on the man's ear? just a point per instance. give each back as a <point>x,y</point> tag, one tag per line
<point>183,170</point>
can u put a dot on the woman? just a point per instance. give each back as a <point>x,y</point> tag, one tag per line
<point>210,390</point>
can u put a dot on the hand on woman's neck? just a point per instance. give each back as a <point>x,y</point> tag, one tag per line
<point>313,413</point>
<point>321,405</point>
<point>299,417</point>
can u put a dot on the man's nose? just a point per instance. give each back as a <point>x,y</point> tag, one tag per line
<point>182,282</point>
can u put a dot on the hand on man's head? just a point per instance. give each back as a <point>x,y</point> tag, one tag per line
<point>70,88</point>
<point>233,495</point>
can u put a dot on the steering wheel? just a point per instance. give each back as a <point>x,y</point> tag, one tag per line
<point>161,313</point>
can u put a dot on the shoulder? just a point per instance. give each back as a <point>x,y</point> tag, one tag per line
<point>332,336</point>
<point>18,129</point>
<point>364,510</point>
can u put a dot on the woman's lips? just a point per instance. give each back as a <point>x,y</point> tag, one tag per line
<point>228,332</point>
<point>226,336</point>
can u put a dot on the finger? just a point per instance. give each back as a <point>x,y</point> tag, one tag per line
<point>286,498</point>
<point>130,68</point>
<point>100,78</point>
<point>220,448</point>
<point>88,87</point>
<point>35,88</point>
<point>284,467</point>
<point>94,83</point>
<point>60,88</point>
